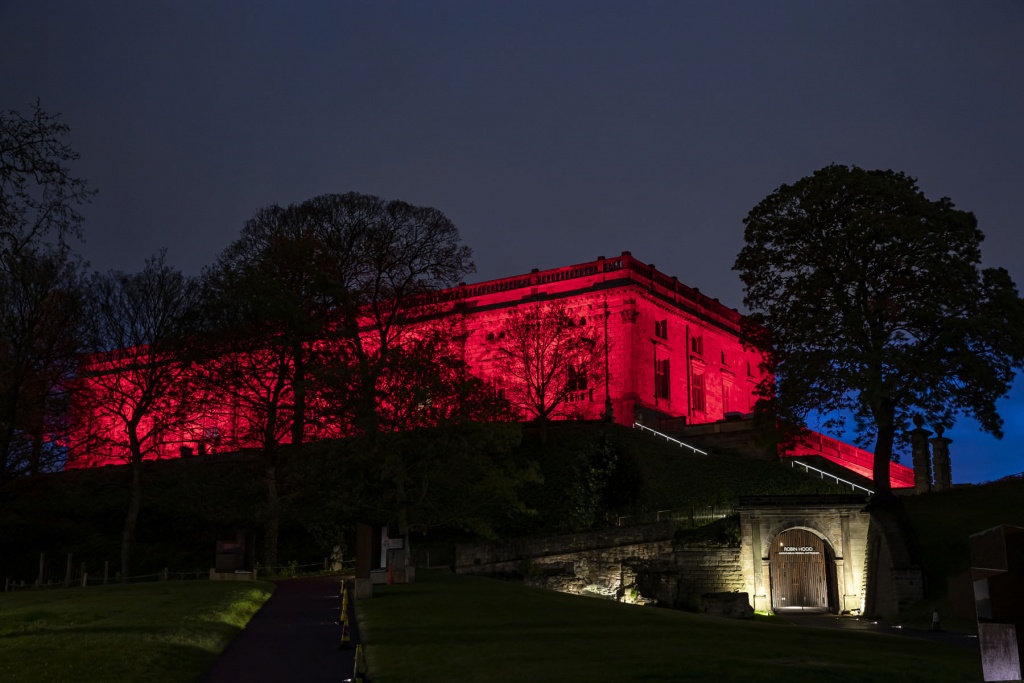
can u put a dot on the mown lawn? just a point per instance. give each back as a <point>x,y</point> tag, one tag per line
<point>458,628</point>
<point>166,632</point>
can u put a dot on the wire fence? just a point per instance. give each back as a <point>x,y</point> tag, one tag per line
<point>78,575</point>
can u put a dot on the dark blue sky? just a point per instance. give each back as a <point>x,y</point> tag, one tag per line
<point>550,132</point>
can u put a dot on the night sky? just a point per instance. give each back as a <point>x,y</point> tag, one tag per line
<point>549,132</point>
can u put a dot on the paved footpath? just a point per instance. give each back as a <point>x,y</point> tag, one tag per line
<point>294,637</point>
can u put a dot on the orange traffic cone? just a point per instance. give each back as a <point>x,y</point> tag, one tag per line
<point>346,637</point>
<point>359,665</point>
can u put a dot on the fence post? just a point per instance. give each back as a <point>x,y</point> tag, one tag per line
<point>106,571</point>
<point>42,562</point>
<point>67,575</point>
<point>165,573</point>
<point>85,579</point>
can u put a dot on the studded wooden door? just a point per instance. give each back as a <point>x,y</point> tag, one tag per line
<point>798,576</point>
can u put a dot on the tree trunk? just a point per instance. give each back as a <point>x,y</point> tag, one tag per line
<point>35,461</point>
<point>132,517</point>
<point>885,417</point>
<point>299,392</point>
<point>6,466</point>
<point>402,500</point>
<point>273,522</point>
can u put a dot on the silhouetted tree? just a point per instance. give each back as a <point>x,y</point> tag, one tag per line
<point>548,356</point>
<point>38,194</point>
<point>133,383</point>
<point>868,297</point>
<point>322,295</point>
<point>243,377</point>
<point>39,288</point>
<point>41,318</point>
<point>441,458</point>
<point>384,262</point>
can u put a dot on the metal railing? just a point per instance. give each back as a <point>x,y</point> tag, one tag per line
<point>823,474</point>
<point>693,516</point>
<point>668,438</point>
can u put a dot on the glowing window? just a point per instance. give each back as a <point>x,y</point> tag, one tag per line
<point>661,379</point>
<point>577,380</point>
<point>698,392</point>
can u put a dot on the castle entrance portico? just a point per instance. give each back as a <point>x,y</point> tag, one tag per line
<point>804,553</point>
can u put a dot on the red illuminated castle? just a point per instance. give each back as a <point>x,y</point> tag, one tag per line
<point>672,352</point>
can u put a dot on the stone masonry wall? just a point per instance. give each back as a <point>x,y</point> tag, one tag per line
<point>648,540</point>
<point>634,564</point>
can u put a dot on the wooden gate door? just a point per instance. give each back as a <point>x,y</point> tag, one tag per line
<point>797,566</point>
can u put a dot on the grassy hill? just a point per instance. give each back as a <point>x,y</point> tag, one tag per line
<point>945,520</point>
<point>595,472</point>
<point>446,627</point>
<point>592,473</point>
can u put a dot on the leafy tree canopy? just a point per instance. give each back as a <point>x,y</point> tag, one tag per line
<point>870,298</point>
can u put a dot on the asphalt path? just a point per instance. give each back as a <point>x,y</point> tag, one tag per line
<point>870,625</point>
<point>295,636</point>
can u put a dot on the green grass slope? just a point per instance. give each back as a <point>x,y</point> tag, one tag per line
<point>168,632</point>
<point>944,521</point>
<point>459,628</point>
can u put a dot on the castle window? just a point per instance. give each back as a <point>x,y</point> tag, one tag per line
<point>577,380</point>
<point>661,378</point>
<point>697,344</point>
<point>724,361</point>
<point>699,404</point>
<point>661,328</point>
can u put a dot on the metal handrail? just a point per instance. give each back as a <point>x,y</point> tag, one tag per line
<point>669,438</point>
<point>823,474</point>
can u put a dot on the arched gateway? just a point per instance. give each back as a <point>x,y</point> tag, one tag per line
<point>804,553</point>
<point>799,569</point>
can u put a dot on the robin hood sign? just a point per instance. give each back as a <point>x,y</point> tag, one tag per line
<point>798,550</point>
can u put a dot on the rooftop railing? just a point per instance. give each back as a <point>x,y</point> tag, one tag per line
<point>643,273</point>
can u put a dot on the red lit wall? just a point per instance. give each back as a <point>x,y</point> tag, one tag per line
<point>671,351</point>
<point>647,318</point>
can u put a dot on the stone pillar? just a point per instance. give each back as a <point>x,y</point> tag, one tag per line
<point>940,460</point>
<point>922,462</point>
<point>849,591</point>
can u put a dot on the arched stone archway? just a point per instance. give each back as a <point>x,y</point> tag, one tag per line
<point>838,523</point>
